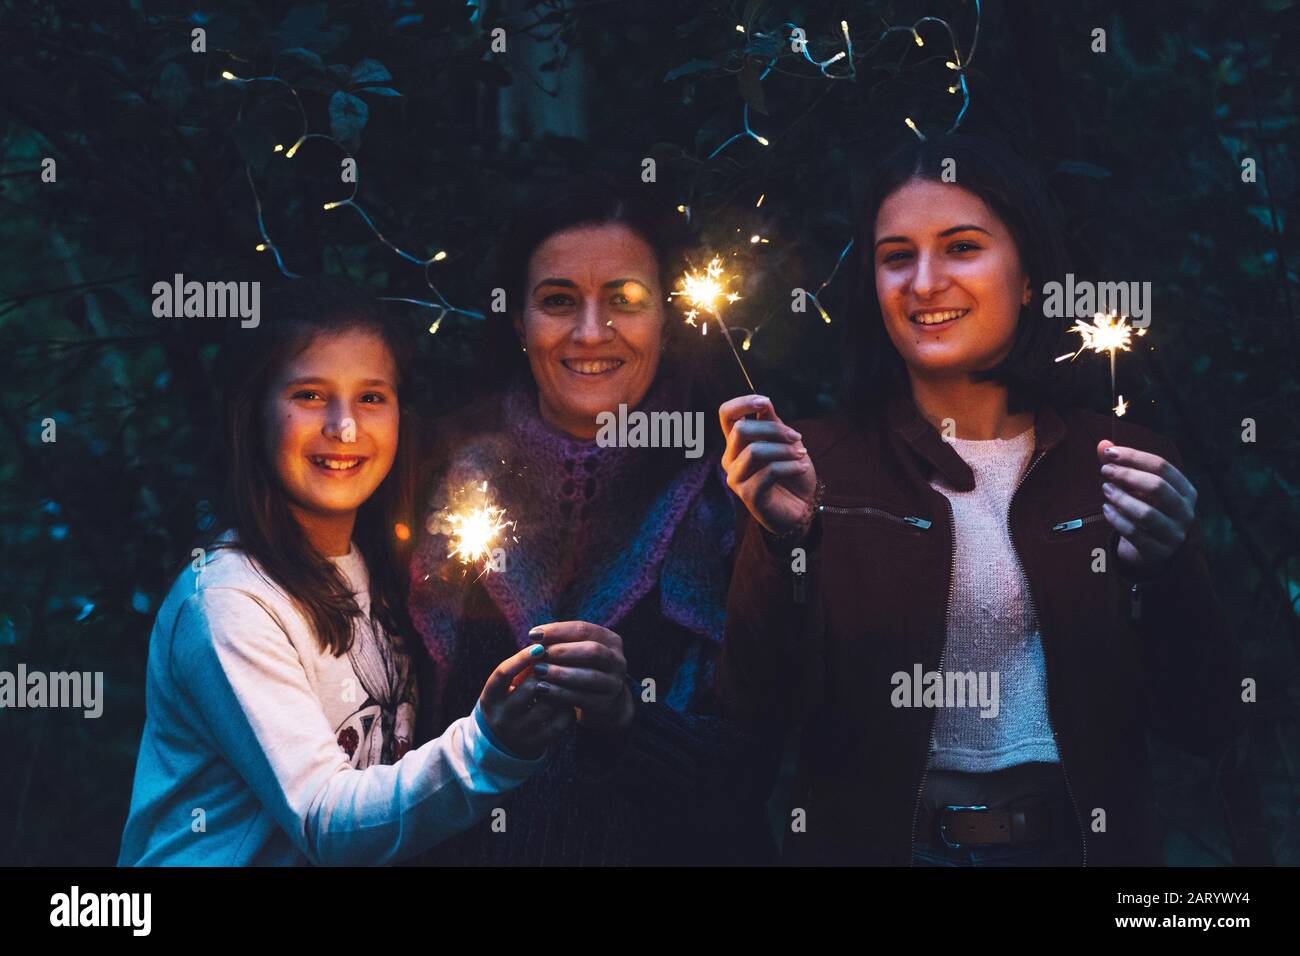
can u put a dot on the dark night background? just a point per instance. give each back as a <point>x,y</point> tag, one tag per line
<point>1144,144</point>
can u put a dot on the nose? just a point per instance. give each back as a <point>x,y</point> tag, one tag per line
<point>929,277</point>
<point>339,424</point>
<point>592,327</point>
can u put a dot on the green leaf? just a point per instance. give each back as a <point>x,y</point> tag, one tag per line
<point>688,68</point>
<point>369,71</point>
<point>751,88</point>
<point>348,118</point>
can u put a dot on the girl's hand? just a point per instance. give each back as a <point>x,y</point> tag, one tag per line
<point>585,668</point>
<point>510,703</point>
<point>1149,502</point>
<point>767,466</point>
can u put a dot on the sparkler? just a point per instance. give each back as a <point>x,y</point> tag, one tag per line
<point>476,527</point>
<point>1108,333</point>
<point>706,292</point>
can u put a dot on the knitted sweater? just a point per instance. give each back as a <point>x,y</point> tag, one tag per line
<point>991,625</point>
<point>638,541</point>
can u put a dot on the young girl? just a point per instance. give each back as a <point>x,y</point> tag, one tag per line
<point>966,519</point>
<point>280,694</point>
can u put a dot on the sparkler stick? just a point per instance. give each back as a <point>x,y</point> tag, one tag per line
<point>705,292</point>
<point>1109,333</point>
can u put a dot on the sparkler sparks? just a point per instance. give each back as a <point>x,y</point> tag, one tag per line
<point>476,527</point>
<point>707,291</point>
<point>1109,333</point>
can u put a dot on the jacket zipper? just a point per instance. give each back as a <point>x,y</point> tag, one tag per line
<point>943,652</point>
<point>1047,689</point>
<point>1074,524</point>
<point>1135,590</point>
<point>919,523</point>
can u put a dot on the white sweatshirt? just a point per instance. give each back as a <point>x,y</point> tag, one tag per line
<point>260,748</point>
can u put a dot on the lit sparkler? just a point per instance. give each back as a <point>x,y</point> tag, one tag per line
<point>1109,333</point>
<point>476,527</point>
<point>706,292</point>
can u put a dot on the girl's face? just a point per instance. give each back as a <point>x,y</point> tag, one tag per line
<point>949,280</point>
<point>331,421</point>
<point>593,323</point>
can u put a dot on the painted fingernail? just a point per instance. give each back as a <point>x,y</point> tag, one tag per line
<point>758,401</point>
<point>537,650</point>
<point>1112,452</point>
<point>795,435</point>
<point>800,450</point>
<point>1108,471</point>
<point>541,668</point>
<point>1108,490</point>
<point>535,634</point>
<point>543,687</point>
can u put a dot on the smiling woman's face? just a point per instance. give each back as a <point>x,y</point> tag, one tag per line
<point>949,280</point>
<point>593,323</point>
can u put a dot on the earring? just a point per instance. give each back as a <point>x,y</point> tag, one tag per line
<point>522,347</point>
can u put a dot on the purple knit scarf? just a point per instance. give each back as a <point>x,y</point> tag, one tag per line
<point>598,528</point>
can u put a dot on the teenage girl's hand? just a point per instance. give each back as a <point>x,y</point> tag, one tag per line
<point>511,706</point>
<point>585,668</point>
<point>1149,502</point>
<point>767,466</point>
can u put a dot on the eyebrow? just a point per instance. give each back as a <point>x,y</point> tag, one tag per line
<point>965,227</point>
<point>317,380</point>
<point>570,284</point>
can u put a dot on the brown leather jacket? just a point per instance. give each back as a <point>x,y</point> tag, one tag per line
<point>818,648</point>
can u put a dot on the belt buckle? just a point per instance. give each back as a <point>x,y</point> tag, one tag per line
<point>942,826</point>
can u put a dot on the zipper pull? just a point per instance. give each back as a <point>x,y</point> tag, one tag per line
<point>1070,525</point>
<point>917,522</point>
<point>1135,602</point>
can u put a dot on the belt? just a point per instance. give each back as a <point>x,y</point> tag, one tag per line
<point>962,826</point>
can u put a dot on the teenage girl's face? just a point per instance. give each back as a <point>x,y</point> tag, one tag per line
<point>331,421</point>
<point>593,323</point>
<point>949,280</point>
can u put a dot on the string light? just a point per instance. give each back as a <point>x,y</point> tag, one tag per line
<point>440,306</point>
<point>957,63</point>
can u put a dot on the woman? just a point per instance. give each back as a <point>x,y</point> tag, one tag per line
<point>281,699</point>
<point>617,558</point>
<point>968,521</point>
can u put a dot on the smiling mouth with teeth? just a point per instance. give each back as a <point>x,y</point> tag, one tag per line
<point>592,366</point>
<point>334,463</point>
<point>937,318</point>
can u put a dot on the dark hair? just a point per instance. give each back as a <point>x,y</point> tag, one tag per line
<point>591,200</point>
<point>293,315</point>
<point>874,371</point>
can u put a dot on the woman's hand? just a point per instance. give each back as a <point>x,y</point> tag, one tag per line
<point>525,724</point>
<point>767,466</point>
<point>1149,502</point>
<point>585,668</point>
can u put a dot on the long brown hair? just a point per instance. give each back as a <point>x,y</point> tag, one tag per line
<point>293,315</point>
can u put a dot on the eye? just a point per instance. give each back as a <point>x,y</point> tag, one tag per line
<point>374,398</point>
<point>557,300</point>
<point>896,256</point>
<point>969,246</point>
<point>627,303</point>
<point>307,395</point>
